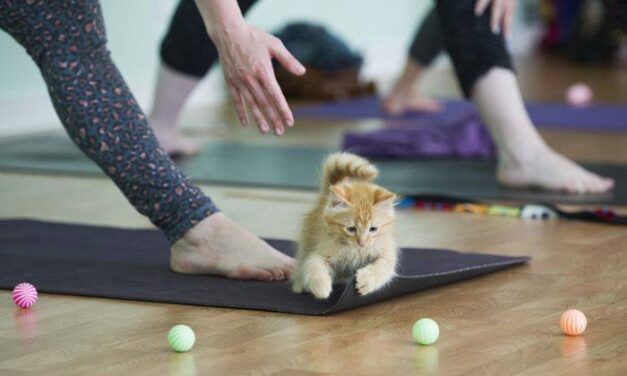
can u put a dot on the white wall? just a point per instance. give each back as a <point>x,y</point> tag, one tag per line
<point>379,29</point>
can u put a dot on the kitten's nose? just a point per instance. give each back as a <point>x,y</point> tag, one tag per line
<point>361,242</point>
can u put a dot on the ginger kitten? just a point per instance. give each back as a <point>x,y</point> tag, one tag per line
<point>349,232</point>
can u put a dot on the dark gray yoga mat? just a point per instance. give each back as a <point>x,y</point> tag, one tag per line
<point>133,265</point>
<point>298,168</point>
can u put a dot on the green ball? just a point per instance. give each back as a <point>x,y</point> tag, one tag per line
<point>425,331</point>
<point>181,338</point>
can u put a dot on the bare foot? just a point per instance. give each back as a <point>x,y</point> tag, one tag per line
<point>405,98</point>
<point>550,171</point>
<point>174,143</point>
<point>218,246</point>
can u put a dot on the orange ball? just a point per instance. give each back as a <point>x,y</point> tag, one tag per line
<point>573,322</point>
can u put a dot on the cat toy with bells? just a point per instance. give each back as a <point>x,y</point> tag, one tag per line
<point>349,233</point>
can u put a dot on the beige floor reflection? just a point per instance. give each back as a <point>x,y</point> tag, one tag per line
<point>182,364</point>
<point>574,347</point>
<point>25,321</point>
<point>426,359</point>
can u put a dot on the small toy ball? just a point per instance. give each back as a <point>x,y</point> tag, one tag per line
<point>579,95</point>
<point>573,322</point>
<point>181,338</point>
<point>425,331</point>
<point>24,295</point>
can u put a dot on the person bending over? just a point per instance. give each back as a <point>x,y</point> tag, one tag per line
<point>471,35</point>
<point>67,41</point>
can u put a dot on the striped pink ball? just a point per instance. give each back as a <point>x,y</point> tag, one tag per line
<point>573,322</point>
<point>24,295</point>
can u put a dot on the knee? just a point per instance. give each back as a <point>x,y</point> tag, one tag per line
<point>77,30</point>
<point>470,42</point>
<point>459,22</point>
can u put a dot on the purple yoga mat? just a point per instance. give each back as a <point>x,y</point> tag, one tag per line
<point>545,115</point>
<point>458,134</point>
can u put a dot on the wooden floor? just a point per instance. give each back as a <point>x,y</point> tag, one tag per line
<point>502,324</point>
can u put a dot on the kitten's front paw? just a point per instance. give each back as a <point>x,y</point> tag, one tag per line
<point>320,286</point>
<point>297,286</point>
<point>366,281</point>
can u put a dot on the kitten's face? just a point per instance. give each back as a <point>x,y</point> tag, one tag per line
<point>359,213</point>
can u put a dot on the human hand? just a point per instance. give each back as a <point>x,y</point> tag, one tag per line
<point>246,56</point>
<point>502,14</point>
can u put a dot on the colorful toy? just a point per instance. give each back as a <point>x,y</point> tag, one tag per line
<point>605,213</point>
<point>181,338</point>
<point>504,211</point>
<point>425,331</point>
<point>532,211</point>
<point>24,295</point>
<point>573,322</point>
<point>579,95</point>
<point>472,208</point>
<point>529,211</point>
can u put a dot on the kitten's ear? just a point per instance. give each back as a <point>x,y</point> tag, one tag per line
<point>337,197</point>
<point>384,199</point>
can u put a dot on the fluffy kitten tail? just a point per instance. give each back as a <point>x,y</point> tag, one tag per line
<point>338,166</point>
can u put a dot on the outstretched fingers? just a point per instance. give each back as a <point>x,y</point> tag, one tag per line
<point>286,59</point>
<point>496,16</point>
<point>508,21</point>
<point>257,86</point>
<point>252,83</point>
<point>480,6</point>
<point>240,105</point>
<point>502,15</point>
<point>274,92</point>
<point>254,107</point>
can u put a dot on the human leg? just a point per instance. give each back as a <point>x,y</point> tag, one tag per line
<point>67,40</point>
<point>187,54</point>
<point>485,73</point>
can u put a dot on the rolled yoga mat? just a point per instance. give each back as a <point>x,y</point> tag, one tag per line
<point>602,117</point>
<point>133,265</point>
<point>249,165</point>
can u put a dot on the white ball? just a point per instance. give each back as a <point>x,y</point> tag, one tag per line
<point>579,95</point>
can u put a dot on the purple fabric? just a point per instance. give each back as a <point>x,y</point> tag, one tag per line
<point>447,134</point>
<point>544,115</point>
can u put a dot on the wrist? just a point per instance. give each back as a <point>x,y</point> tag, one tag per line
<point>224,28</point>
<point>221,17</point>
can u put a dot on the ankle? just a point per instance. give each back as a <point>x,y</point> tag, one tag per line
<point>519,155</point>
<point>402,87</point>
<point>162,122</point>
<point>204,230</point>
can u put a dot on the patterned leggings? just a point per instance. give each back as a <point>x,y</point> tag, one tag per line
<point>67,41</point>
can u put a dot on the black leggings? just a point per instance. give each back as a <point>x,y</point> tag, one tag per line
<point>186,46</point>
<point>428,42</point>
<point>452,24</point>
<point>67,41</point>
<point>469,41</point>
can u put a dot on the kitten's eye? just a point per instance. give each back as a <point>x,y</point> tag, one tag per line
<point>373,229</point>
<point>351,229</point>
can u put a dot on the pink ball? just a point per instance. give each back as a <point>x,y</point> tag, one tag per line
<point>24,295</point>
<point>579,95</point>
